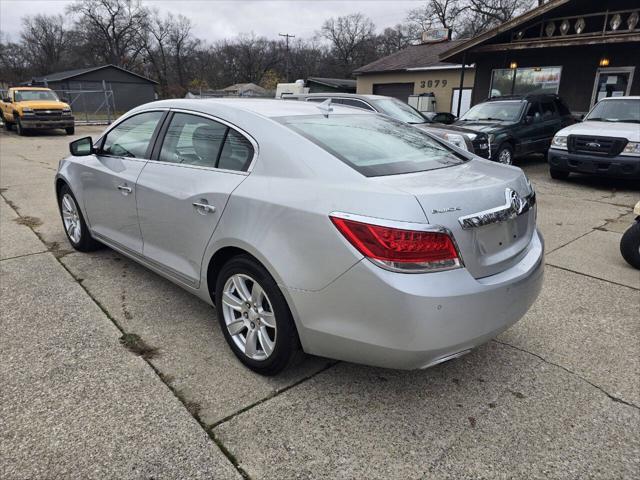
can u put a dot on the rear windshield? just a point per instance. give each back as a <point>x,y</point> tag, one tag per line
<point>375,145</point>
<point>398,110</point>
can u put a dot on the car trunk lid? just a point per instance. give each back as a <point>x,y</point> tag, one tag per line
<point>491,200</point>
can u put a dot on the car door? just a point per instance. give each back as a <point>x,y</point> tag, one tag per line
<point>197,163</point>
<point>109,180</point>
<point>551,123</point>
<point>531,132</point>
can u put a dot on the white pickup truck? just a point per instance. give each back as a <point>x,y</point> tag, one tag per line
<point>606,143</point>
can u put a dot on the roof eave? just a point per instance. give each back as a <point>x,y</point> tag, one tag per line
<point>525,17</point>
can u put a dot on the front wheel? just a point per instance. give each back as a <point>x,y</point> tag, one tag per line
<point>254,316</point>
<point>630,245</point>
<point>504,154</point>
<point>70,130</point>
<point>19,128</point>
<point>74,225</point>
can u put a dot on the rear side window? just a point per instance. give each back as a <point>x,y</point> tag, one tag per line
<point>192,140</point>
<point>236,153</point>
<point>350,102</point>
<point>131,137</point>
<point>374,145</point>
<point>562,108</point>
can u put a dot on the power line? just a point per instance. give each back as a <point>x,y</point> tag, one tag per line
<point>287,36</point>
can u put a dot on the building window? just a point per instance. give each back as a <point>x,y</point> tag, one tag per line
<point>521,81</point>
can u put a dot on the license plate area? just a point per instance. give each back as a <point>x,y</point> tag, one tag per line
<point>500,241</point>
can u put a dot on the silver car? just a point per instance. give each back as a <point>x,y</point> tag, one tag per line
<point>333,230</point>
<point>463,138</point>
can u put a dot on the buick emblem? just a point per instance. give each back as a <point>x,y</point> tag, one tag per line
<point>518,204</point>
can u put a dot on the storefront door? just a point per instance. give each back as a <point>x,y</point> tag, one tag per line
<point>612,82</point>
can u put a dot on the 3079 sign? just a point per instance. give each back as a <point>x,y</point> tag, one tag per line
<point>433,83</point>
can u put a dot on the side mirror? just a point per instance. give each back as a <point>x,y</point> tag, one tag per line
<point>6,99</point>
<point>81,147</point>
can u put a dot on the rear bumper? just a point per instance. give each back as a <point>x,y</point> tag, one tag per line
<point>47,123</point>
<point>619,166</point>
<point>407,321</point>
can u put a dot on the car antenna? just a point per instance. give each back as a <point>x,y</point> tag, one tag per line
<point>326,107</point>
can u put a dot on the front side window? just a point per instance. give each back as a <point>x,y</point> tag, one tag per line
<point>374,145</point>
<point>131,137</point>
<point>199,141</point>
<point>504,111</point>
<point>34,95</point>
<point>548,110</point>
<point>192,140</point>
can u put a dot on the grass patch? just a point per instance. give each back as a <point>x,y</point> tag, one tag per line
<point>137,345</point>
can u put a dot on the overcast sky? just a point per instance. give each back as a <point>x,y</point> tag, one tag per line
<point>218,19</point>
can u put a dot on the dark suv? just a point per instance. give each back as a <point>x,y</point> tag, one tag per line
<point>518,125</point>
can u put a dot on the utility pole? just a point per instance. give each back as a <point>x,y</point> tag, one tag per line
<point>287,36</point>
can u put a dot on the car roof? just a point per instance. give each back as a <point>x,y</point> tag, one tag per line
<point>529,96</point>
<point>30,88</point>
<point>337,94</point>
<point>630,97</point>
<point>264,107</point>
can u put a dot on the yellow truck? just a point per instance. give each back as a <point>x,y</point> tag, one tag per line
<point>35,108</point>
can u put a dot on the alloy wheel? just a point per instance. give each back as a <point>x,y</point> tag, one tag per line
<point>249,316</point>
<point>505,156</point>
<point>71,218</point>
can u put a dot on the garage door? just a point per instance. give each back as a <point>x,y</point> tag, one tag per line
<point>401,91</point>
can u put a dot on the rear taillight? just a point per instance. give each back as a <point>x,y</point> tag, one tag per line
<point>400,249</point>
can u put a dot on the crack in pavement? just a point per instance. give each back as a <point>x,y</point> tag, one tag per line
<point>24,255</point>
<point>176,393</point>
<point>598,387</point>
<point>591,276</point>
<point>273,395</point>
<point>159,374</point>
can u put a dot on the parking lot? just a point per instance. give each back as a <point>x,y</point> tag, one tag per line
<point>110,371</point>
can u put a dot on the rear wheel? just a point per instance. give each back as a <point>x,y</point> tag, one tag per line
<point>74,225</point>
<point>70,130</point>
<point>7,124</point>
<point>630,245</point>
<point>254,316</point>
<point>504,154</point>
<point>558,174</point>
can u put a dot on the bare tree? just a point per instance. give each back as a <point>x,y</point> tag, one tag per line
<point>351,39</point>
<point>112,29</point>
<point>46,39</point>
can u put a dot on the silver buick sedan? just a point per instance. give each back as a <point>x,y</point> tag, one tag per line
<point>332,230</point>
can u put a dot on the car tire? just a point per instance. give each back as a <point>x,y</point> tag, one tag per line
<point>257,324</point>
<point>558,174</point>
<point>73,222</point>
<point>19,129</point>
<point>70,130</point>
<point>7,125</point>
<point>630,245</point>
<point>504,154</point>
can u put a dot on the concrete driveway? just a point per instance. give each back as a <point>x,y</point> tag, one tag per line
<point>109,371</point>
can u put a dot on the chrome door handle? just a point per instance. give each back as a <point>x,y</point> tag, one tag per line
<point>204,208</point>
<point>124,189</point>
